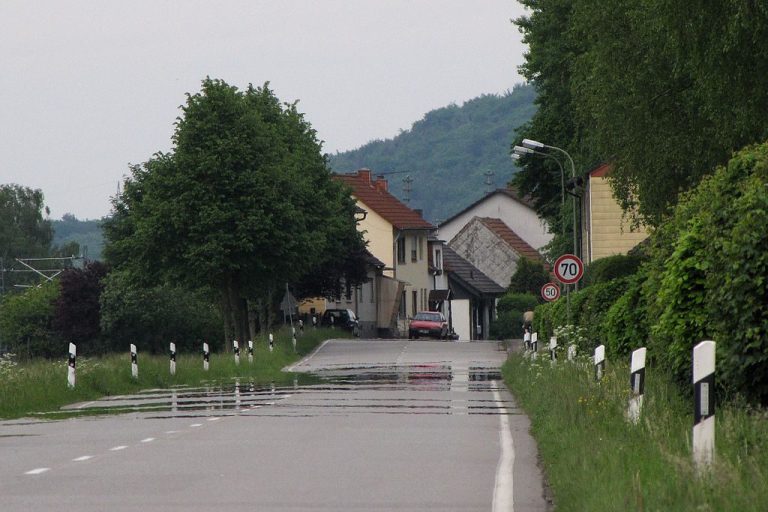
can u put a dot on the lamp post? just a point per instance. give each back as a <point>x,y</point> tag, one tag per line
<point>533,145</point>
<point>520,151</point>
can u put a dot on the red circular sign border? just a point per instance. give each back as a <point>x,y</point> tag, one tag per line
<point>554,285</point>
<point>579,263</point>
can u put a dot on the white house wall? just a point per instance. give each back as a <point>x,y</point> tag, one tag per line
<point>522,219</point>
<point>461,319</point>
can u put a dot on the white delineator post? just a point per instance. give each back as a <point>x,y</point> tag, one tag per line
<point>271,342</point>
<point>236,350</point>
<point>71,365</point>
<point>206,356</point>
<point>134,362</point>
<point>553,348</point>
<point>294,338</point>
<point>250,351</point>
<point>535,344</point>
<point>599,361</point>
<point>637,381</point>
<point>571,352</point>
<point>527,340</point>
<point>704,404</point>
<point>173,359</point>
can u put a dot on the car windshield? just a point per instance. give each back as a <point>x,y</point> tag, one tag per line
<point>429,317</point>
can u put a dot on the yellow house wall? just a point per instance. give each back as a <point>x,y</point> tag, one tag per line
<point>609,232</point>
<point>378,233</point>
<point>415,274</point>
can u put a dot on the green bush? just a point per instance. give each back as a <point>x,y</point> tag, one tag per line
<point>609,268</point>
<point>625,323</point>
<point>25,323</point>
<point>510,307</point>
<point>153,317</point>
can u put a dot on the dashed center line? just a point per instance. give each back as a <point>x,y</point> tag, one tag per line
<point>195,425</point>
<point>118,448</point>
<point>37,471</point>
<point>81,459</point>
<point>215,418</point>
<point>148,440</point>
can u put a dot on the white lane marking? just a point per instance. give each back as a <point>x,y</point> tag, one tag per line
<point>86,404</point>
<point>118,448</point>
<point>214,419</point>
<point>503,495</point>
<point>148,440</point>
<point>195,425</point>
<point>81,459</point>
<point>171,431</point>
<point>37,471</point>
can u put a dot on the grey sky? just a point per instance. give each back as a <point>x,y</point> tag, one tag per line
<point>88,87</point>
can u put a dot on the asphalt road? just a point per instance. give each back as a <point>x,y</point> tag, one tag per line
<point>388,425</point>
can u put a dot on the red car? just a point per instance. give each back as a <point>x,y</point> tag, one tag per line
<point>428,323</point>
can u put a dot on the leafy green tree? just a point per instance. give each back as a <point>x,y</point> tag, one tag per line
<point>663,96</point>
<point>24,232</point>
<point>76,309</point>
<point>529,277</point>
<point>26,322</point>
<point>244,204</point>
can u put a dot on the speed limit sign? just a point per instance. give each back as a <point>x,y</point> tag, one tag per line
<point>568,269</point>
<point>550,292</point>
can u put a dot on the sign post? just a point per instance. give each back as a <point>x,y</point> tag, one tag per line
<point>71,365</point>
<point>637,381</point>
<point>134,362</point>
<point>704,404</point>
<point>173,359</point>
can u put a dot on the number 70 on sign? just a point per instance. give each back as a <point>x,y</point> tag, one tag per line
<point>569,269</point>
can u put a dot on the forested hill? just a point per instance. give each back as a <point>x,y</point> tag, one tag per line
<point>87,234</point>
<point>448,152</point>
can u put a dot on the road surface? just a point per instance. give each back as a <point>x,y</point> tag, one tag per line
<point>384,425</point>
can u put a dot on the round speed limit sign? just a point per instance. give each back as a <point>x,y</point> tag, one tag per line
<point>568,269</point>
<point>550,292</point>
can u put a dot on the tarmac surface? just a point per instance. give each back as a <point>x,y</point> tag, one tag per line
<point>386,425</point>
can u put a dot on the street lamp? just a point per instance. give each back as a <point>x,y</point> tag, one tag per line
<point>519,151</point>
<point>534,145</point>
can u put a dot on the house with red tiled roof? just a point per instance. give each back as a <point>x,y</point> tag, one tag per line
<point>397,236</point>
<point>493,247</point>
<point>506,204</point>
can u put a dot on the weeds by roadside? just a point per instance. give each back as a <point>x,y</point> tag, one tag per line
<point>595,460</point>
<point>41,385</point>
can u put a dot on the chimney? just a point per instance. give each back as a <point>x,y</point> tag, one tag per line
<point>365,173</point>
<point>380,184</point>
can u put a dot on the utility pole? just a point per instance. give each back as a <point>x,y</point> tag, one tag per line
<point>407,189</point>
<point>488,183</point>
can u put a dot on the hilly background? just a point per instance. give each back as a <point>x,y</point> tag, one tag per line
<point>448,153</point>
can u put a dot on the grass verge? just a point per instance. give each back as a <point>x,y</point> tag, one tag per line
<point>597,461</point>
<point>41,385</point>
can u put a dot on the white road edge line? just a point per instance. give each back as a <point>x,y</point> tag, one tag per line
<point>503,494</point>
<point>37,471</point>
<point>306,359</point>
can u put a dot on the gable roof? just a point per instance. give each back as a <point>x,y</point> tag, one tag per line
<point>376,196</point>
<point>509,192</point>
<point>512,239</point>
<point>468,275</point>
<point>601,171</point>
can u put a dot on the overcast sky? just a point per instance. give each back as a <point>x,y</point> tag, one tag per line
<point>88,87</point>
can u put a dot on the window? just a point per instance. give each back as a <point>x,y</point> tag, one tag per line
<point>421,248</point>
<point>348,292</point>
<point>402,304</point>
<point>415,297</point>
<point>401,250</point>
<point>438,259</point>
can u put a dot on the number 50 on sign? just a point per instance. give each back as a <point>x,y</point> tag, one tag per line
<point>569,269</point>
<point>550,292</point>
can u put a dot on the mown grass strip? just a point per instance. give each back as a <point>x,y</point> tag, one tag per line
<point>41,385</point>
<point>595,460</point>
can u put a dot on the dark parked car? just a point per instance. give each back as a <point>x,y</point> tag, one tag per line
<point>342,318</point>
<point>428,323</point>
